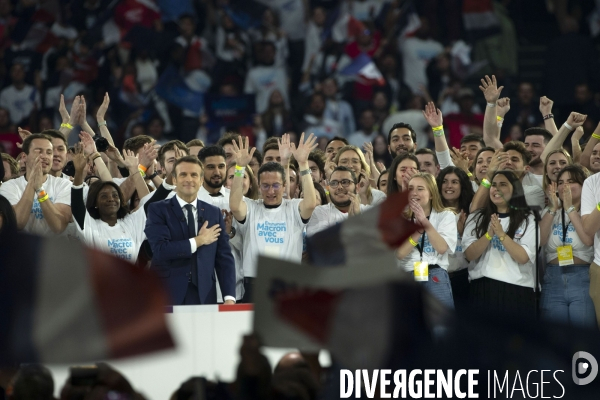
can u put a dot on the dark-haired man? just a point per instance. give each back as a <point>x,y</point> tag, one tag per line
<point>189,241</point>
<point>535,141</point>
<point>215,169</point>
<point>428,161</point>
<point>273,225</point>
<point>343,193</point>
<point>402,137</point>
<point>333,146</point>
<point>226,142</point>
<point>60,150</point>
<point>42,202</point>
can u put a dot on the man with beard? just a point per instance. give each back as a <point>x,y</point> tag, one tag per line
<point>42,202</point>
<point>215,169</point>
<point>536,140</point>
<point>344,198</point>
<point>402,137</point>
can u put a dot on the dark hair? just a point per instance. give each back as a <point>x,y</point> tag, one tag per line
<point>472,137</point>
<point>399,125</point>
<point>392,184</point>
<point>137,142</point>
<point>228,138</point>
<point>12,163</point>
<point>518,210</point>
<point>33,381</point>
<point>258,155</point>
<point>577,173</point>
<point>318,157</point>
<point>271,166</point>
<point>211,151</point>
<point>31,138</point>
<point>519,147</point>
<point>55,134</point>
<point>187,159</point>
<point>339,138</point>
<point>270,144</point>
<point>426,150</point>
<point>343,168</point>
<point>537,131</point>
<point>171,145</point>
<point>9,219</point>
<point>322,193</point>
<point>92,199</point>
<point>466,189</point>
<point>385,171</point>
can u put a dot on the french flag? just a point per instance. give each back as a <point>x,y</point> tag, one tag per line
<point>61,302</point>
<point>363,69</point>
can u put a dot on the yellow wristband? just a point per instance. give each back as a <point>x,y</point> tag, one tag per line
<point>238,168</point>
<point>470,175</point>
<point>142,172</point>
<point>43,199</point>
<point>437,128</point>
<point>596,136</point>
<point>487,236</point>
<point>499,118</point>
<point>411,241</point>
<point>598,206</point>
<point>66,125</point>
<point>485,183</point>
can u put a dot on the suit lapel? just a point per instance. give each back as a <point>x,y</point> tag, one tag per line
<point>179,216</point>
<point>200,209</point>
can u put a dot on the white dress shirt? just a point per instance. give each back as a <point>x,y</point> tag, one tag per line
<point>194,246</point>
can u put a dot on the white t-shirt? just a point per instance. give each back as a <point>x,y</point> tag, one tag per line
<point>534,194</point>
<point>457,260</point>
<point>495,262</point>
<point>590,197</point>
<point>59,192</point>
<point>20,103</point>
<point>221,202</point>
<point>122,240</point>
<point>325,216</point>
<point>555,240</point>
<point>378,197</point>
<point>445,224</point>
<point>262,81</point>
<point>274,232</point>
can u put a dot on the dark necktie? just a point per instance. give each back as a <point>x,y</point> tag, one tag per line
<point>191,223</point>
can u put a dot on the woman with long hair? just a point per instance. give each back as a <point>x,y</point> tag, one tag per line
<point>555,161</point>
<point>457,193</point>
<point>104,221</point>
<point>401,171</point>
<point>569,252</point>
<point>499,242</point>
<point>483,159</point>
<point>435,239</point>
<point>8,219</point>
<point>352,157</point>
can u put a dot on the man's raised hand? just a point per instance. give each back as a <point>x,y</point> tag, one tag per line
<point>242,153</point>
<point>304,148</point>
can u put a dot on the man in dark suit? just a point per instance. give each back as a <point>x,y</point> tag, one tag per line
<point>189,242</point>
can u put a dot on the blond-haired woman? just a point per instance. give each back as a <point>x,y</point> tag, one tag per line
<point>434,240</point>
<point>554,162</point>
<point>352,157</point>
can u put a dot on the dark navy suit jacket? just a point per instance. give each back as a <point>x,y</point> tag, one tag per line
<point>167,233</point>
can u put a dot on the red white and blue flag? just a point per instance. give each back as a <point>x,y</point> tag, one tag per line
<point>61,302</point>
<point>363,69</point>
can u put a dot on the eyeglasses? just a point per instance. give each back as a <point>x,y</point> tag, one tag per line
<point>265,187</point>
<point>345,183</point>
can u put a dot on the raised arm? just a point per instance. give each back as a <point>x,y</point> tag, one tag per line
<point>83,118</point>
<point>368,146</point>
<point>89,148</point>
<point>589,148</point>
<point>491,131</point>
<point>546,222</point>
<point>242,156</point>
<point>546,110</point>
<point>309,202</point>
<point>100,115</point>
<point>285,152</point>
<point>575,120</point>
<point>434,118</point>
<point>23,207</point>
<point>69,120</point>
<point>77,203</point>
<point>575,146</point>
<point>132,163</point>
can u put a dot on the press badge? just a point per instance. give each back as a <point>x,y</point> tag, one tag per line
<point>565,255</point>
<point>421,271</point>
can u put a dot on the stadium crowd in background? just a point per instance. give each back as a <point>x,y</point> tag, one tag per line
<point>267,121</point>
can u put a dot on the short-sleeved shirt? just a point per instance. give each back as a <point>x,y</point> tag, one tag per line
<point>59,192</point>
<point>325,216</point>
<point>555,240</point>
<point>122,240</point>
<point>495,262</point>
<point>444,223</point>
<point>273,232</point>
<point>590,197</point>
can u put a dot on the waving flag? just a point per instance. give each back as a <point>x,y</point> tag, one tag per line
<point>364,70</point>
<point>341,27</point>
<point>61,302</point>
